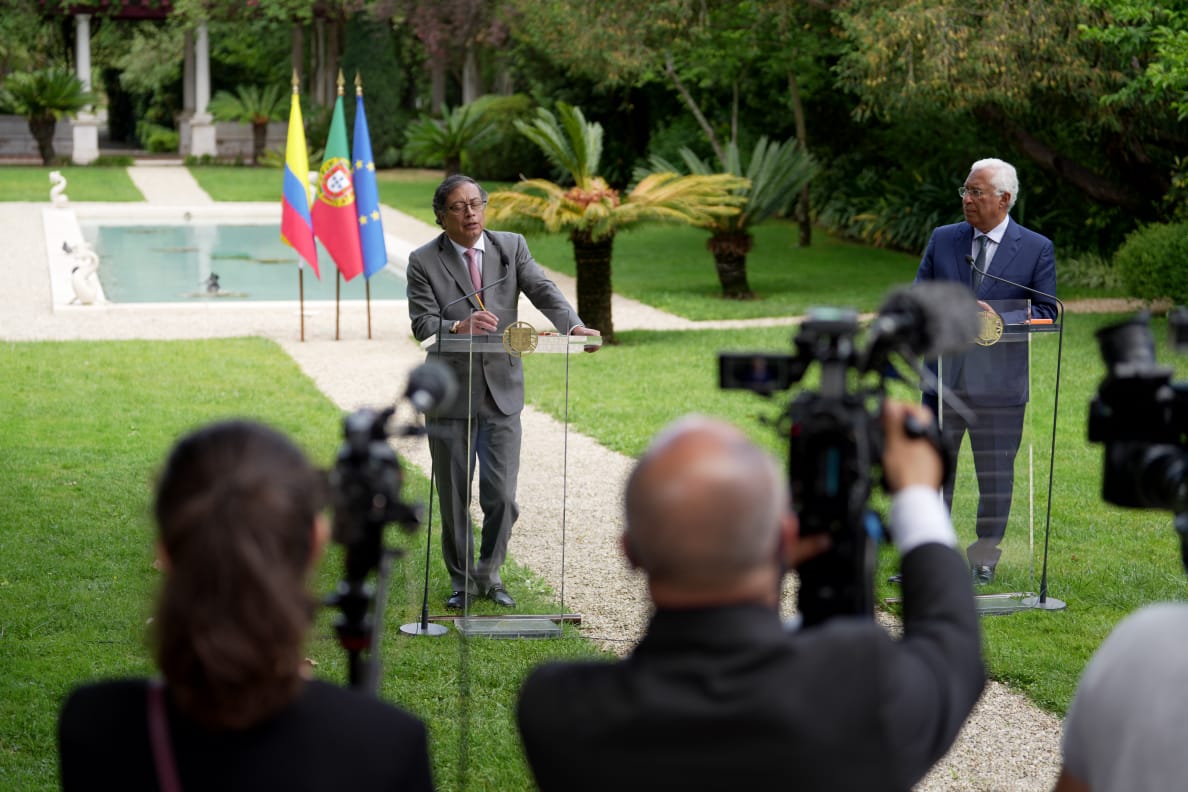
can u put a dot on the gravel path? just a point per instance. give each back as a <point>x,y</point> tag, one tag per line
<point>1008,744</point>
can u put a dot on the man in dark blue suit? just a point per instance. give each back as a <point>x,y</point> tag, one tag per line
<point>991,379</point>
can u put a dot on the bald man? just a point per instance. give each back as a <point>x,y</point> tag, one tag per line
<point>718,694</point>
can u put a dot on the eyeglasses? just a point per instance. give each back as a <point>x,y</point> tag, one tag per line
<point>475,206</point>
<point>974,192</point>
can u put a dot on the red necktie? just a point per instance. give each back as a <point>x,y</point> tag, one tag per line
<point>475,277</point>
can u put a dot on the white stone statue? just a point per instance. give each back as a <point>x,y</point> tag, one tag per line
<point>58,189</point>
<point>85,277</point>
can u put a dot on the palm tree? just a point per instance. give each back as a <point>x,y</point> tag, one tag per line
<point>592,212</point>
<point>776,172</point>
<point>251,105</point>
<point>44,97</point>
<point>432,141</point>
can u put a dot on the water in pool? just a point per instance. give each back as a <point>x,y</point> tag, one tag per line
<point>204,261</point>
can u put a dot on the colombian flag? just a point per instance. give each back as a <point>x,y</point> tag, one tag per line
<point>296,225</point>
<point>371,229</point>
<point>334,219</point>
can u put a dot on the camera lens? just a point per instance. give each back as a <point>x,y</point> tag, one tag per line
<point>1128,344</point>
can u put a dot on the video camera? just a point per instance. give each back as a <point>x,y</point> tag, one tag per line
<point>1141,416</point>
<point>834,433</point>
<point>366,483</point>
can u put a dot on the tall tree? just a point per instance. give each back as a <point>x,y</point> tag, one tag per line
<point>458,35</point>
<point>740,67</point>
<point>1025,69</point>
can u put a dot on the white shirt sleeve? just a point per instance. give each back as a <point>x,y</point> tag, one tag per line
<point>919,516</point>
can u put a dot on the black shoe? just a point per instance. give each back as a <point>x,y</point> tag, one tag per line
<point>499,595</point>
<point>982,574</point>
<point>457,601</point>
<point>896,579</point>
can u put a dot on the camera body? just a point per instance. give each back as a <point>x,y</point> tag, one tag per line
<point>1141,416</point>
<point>834,440</point>
<point>365,484</point>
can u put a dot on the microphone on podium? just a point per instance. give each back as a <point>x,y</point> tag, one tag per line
<point>973,266</point>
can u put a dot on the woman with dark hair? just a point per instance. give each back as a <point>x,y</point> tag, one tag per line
<point>239,528</point>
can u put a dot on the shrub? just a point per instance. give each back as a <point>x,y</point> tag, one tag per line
<point>1088,271</point>
<point>155,137</point>
<point>1152,262</point>
<point>503,155</point>
<point>113,161</point>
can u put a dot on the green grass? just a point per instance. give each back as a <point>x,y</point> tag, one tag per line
<point>239,183</point>
<point>31,183</point>
<point>84,429</point>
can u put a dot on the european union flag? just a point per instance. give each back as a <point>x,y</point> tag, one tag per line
<point>371,228</point>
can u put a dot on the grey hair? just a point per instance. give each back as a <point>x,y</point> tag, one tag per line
<point>1003,177</point>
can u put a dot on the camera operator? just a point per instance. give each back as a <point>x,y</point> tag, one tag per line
<point>718,694</point>
<point>239,528</point>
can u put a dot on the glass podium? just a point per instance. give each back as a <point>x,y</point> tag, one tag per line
<point>543,467</point>
<point>997,412</point>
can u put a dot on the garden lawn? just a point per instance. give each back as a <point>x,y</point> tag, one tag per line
<point>83,183</point>
<point>85,428</point>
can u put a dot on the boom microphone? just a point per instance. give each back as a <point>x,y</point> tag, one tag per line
<point>929,319</point>
<point>431,386</point>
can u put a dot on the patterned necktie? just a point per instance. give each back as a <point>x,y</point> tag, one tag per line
<point>980,263</point>
<point>475,277</point>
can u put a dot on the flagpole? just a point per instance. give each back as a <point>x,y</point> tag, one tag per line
<point>368,284</point>
<point>371,230</point>
<point>296,229</point>
<point>337,291</point>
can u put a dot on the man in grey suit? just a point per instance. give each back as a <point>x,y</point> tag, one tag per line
<point>468,281</point>
<point>719,694</point>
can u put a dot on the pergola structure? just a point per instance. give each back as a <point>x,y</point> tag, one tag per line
<point>196,126</point>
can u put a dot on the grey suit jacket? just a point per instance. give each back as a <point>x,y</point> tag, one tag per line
<point>438,282</point>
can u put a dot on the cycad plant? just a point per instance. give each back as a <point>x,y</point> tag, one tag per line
<point>592,212</point>
<point>43,97</point>
<point>253,105</point>
<point>442,141</point>
<point>776,172</point>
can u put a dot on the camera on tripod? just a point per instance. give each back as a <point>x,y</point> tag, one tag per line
<point>1141,416</point>
<point>366,485</point>
<point>834,434</point>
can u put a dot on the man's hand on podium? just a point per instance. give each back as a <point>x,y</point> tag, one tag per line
<point>587,331</point>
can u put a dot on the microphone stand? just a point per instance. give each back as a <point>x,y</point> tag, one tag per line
<point>423,627</point>
<point>1042,602</point>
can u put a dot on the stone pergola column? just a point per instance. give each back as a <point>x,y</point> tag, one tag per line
<point>203,140</point>
<point>84,128</point>
<point>187,112</point>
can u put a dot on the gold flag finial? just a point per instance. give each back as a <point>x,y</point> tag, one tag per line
<point>358,84</point>
<point>340,82</point>
<point>296,81</point>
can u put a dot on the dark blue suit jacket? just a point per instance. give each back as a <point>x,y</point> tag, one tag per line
<point>995,375</point>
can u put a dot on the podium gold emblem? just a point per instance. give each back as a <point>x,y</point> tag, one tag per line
<point>989,328</point>
<point>519,339</point>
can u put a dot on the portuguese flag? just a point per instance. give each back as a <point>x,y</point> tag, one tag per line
<point>335,221</point>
